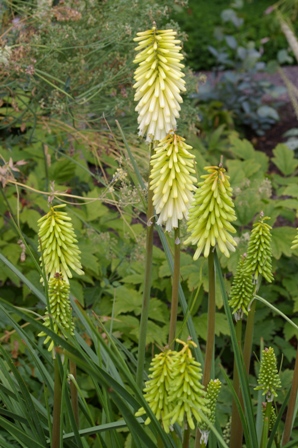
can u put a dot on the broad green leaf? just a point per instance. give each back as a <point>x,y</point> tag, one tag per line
<point>61,171</point>
<point>242,148</point>
<point>221,325</point>
<point>282,238</point>
<point>30,217</point>
<point>95,209</point>
<point>289,330</point>
<point>284,159</point>
<point>247,205</point>
<point>127,300</point>
<point>291,190</point>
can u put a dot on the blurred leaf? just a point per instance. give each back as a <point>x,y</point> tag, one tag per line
<point>284,159</point>
<point>282,238</point>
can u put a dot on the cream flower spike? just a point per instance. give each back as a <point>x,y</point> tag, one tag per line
<point>171,180</point>
<point>158,82</point>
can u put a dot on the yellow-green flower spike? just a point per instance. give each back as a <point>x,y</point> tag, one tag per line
<point>58,244</point>
<point>186,394</point>
<point>211,214</point>
<point>268,380</point>
<point>242,290</point>
<point>295,242</point>
<point>157,387</point>
<point>172,180</point>
<point>259,253</point>
<point>60,309</point>
<point>158,82</point>
<point>213,390</point>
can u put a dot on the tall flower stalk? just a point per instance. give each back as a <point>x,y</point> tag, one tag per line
<point>159,83</point>
<point>209,224</point>
<point>59,255</point>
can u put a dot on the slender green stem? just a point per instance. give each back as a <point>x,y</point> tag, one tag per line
<point>291,405</point>
<point>147,287</point>
<point>186,436</point>
<point>210,332</point>
<point>57,406</point>
<point>249,336</point>
<point>74,392</point>
<point>264,439</point>
<point>175,288</point>
<point>236,428</point>
<point>211,321</point>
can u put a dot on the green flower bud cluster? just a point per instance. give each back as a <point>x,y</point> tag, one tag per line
<point>60,309</point>
<point>157,388</point>
<point>268,380</point>
<point>211,214</point>
<point>158,82</point>
<point>272,415</point>
<point>213,390</point>
<point>58,244</point>
<point>187,394</point>
<point>172,181</point>
<point>174,390</point>
<point>259,253</point>
<point>242,290</point>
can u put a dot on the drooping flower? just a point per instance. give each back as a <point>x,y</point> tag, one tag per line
<point>186,394</point>
<point>157,387</point>
<point>211,214</point>
<point>172,180</point>
<point>242,290</point>
<point>58,244</point>
<point>259,253</point>
<point>269,380</point>
<point>158,82</point>
<point>59,315</point>
<point>213,390</point>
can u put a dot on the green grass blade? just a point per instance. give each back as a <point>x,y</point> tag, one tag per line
<point>101,428</point>
<point>19,435</point>
<point>23,279</point>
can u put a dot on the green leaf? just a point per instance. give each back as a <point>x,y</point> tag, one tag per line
<point>289,330</point>
<point>284,159</point>
<point>30,217</point>
<point>282,238</point>
<point>62,170</point>
<point>291,190</point>
<point>242,148</point>
<point>127,300</point>
<point>221,325</point>
<point>95,209</point>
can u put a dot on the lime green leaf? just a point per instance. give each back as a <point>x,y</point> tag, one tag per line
<point>242,148</point>
<point>284,159</point>
<point>158,310</point>
<point>282,238</point>
<point>95,209</point>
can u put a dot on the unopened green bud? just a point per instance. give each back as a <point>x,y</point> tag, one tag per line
<point>268,380</point>
<point>157,387</point>
<point>242,290</point>
<point>259,253</point>
<point>211,214</point>
<point>58,244</point>
<point>59,316</point>
<point>186,393</point>
<point>172,180</point>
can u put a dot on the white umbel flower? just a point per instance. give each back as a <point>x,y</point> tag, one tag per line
<point>172,181</point>
<point>158,82</point>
